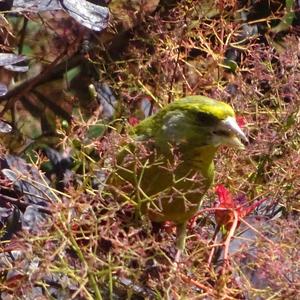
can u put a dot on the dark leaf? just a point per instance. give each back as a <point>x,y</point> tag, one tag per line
<point>4,214</point>
<point>96,130</point>
<point>33,219</point>
<point>28,180</point>
<point>36,6</point>
<point>60,161</point>
<point>12,223</point>
<point>54,156</point>
<point>106,99</point>
<point>3,89</point>
<point>6,5</point>
<point>60,164</point>
<point>146,106</point>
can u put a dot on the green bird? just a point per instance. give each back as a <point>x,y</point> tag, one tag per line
<point>167,166</point>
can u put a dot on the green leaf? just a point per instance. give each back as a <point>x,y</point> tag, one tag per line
<point>96,130</point>
<point>287,19</point>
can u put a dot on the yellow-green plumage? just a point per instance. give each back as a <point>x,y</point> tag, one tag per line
<point>168,165</point>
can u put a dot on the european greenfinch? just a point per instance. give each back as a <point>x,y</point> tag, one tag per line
<point>167,166</point>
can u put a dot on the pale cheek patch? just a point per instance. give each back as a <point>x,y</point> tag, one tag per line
<point>174,127</point>
<point>216,140</point>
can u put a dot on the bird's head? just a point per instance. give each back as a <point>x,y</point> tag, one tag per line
<point>194,121</point>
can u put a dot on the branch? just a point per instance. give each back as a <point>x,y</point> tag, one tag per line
<point>50,72</point>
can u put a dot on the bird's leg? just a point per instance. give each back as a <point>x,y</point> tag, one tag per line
<point>180,239</point>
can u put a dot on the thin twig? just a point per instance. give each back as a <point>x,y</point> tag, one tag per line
<point>188,279</point>
<point>228,239</point>
<point>212,252</point>
<point>23,204</point>
<point>177,60</point>
<point>256,231</point>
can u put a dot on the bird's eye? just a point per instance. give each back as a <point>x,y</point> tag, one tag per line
<point>206,119</point>
<point>221,132</point>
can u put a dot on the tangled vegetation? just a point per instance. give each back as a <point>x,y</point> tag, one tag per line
<point>71,94</point>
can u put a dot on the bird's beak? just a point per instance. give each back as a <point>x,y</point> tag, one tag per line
<point>236,135</point>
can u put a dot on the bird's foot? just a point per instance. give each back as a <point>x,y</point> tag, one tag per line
<point>178,256</point>
<point>177,261</point>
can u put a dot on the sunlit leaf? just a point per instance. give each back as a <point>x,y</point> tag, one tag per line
<point>5,127</point>
<point>90,15</point>
<point>7,59</point>
<point>9,174</point>
<point>15,68</point>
